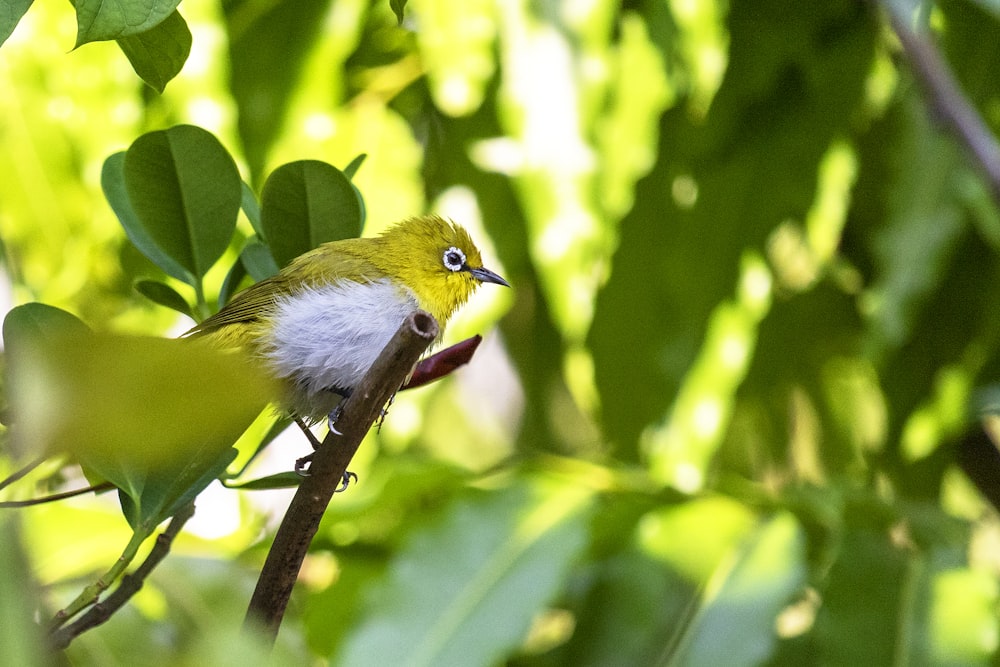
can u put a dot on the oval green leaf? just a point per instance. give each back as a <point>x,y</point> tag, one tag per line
<point>186,191</point>
<point>113,184</point>
<point>164,295</point>
<point>307,203</point>
<point>158,54</point>
<point>98,20</point>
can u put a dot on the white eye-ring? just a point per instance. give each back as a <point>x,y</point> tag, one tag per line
<point>454,259</point>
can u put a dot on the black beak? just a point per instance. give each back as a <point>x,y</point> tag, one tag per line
<point>487,276</point>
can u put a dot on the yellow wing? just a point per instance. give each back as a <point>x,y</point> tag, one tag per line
<point>328,264</point>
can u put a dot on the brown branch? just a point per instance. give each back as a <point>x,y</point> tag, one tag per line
<point>945,96</point>
<point>129,586</point>
<point>329,463</point>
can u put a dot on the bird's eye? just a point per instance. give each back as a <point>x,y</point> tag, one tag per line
<point>454,259</point>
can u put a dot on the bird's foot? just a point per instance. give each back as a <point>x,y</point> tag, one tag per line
<point>331,419</point>
<point>302,466</point>
<point>383,413</point>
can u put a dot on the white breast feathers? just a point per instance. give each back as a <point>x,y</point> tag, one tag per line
<point>327,337</point>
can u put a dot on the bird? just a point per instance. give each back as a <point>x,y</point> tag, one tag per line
<point>319,324</point>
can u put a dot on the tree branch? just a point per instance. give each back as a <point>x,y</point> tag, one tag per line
<point>129,586</point>
<point>330,461</point>
<point>945,96</point>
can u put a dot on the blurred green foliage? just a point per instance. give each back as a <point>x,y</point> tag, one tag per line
<point>754,293</point>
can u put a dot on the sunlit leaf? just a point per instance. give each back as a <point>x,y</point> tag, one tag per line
<point>507,554</point>
<point>103,19</point>
<point>736,622</point>
<point>158,54</point>
<point>714,193</point>
<point>131,403</point>
<point>20,633</point>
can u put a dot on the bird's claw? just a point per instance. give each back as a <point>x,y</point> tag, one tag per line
<point>331,419</point>
<point>302,465</point>
<point>345,481</point>
<point>302,470</point>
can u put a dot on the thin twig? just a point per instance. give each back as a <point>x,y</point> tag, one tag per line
<point>97,488</point>
<point>329,463</point>
<point>129,586</point>
<point>945,96</point>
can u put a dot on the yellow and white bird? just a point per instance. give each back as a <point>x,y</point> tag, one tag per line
<point>320,323</point>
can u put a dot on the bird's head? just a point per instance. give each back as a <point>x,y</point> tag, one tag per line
<point>437,260</point>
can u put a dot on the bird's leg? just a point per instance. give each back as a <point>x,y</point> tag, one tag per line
<point>383,413</point>
<point>309,434</point>
<point>302,464</point>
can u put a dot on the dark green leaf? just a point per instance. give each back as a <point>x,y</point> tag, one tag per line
<point>397,9</point>
<point>867,598</point>
<point>257,259</point>
<point>104,20</point>
<point>113,184</point>
<point>352,168</point>
<point>158,54</point>
<point>11,12</point>
<point>164,295</point>
<point>232,282</point>
<point>152,498</point>
<point>307,203</point>
<point>281,480</point>
<point>185,190</point>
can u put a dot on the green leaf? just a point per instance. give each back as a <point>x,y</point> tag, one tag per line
<point>149,499</point>
<point>230,285</point>
<point>251,208</point>
<point>269,45</point>
<point>257,259</point>
<point>678,256</point>
<point>185,190</point>
<point>352,168</point>
<point>113,184</point>
<point>735,625</point>
<point>113,19</point>
<point>507,554</point>
<point>11,12</point>
<point>20,636</point>
<point>164,295</point>
<point>158,54</point>
<point>307,203</point>
<point>867,596</point>
<point>397,9</point>
<point>128,406</point>
<point>36,323</point>
<point>280,480</point>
